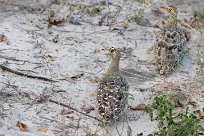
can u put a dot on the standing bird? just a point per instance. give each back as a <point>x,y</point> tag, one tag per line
<point>170,45</point>
<point>112,91</point>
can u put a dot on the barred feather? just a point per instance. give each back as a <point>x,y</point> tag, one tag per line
<point>112,97</point>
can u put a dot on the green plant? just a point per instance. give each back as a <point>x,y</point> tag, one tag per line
<point>182,124</point>
<point>200,15</point>
<point>138,16</point>
<point>94,10</point>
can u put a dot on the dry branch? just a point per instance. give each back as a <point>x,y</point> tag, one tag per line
<point>14,59</point>
<point>24,74</point>
<point>62,104</point>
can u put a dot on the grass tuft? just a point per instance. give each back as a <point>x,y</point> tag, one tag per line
<point>200,15</point>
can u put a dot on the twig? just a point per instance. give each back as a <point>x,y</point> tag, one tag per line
<point>117,14</point>
<point>24,74</point>
<point>11,49</point>
<point>118,131</point>
<point>14,59</point>
<point>62,104</point>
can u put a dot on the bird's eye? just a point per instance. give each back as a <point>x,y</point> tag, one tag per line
<point>112,49</point>
<point>169,9</point>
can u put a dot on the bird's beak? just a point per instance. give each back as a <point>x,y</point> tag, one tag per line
<point>106,49</point>
<point>170,11</point>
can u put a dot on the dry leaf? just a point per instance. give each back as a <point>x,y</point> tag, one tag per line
<point>88,109</point>
<point>94,80</point>
<point>200,114</point>
<point>42,129</point>
<point>4,39</point>
<point>56,19</point>
<point>51,57</point>
<point>22,126</point>
<point>66,112</point>
<point>125,24</point>
<point>1,37</point>
<point>180,99</point>
<point>193,103</point>
<point>56,39</point>
<point>40,99</point>
<point>77,76</point>
<point>201,130</point>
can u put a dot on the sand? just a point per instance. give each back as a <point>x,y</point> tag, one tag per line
<point>76,62</point>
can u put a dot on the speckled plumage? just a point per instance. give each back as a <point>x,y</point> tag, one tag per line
<point>112,96</point>
<point>170,45</point>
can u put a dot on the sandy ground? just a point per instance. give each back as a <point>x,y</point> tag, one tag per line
<point>75,62</point>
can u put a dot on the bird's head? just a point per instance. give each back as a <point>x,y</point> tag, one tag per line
<point>114,52</point>
<point>172,10</point>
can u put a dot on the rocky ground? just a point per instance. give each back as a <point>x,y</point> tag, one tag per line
<point>51,54</point>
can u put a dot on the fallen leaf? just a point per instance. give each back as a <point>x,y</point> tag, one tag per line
<point>4,39</point>
<point>56,19</point>
<point>22,126</point>
<point>42,129</point>
<point>40,99</point>
<point>201,115</point>
<point>66,112</point>
<point>88,109</point>
<point>94,80</point>
<point>77,76</point>
<point>1,37</point>
<point>51,57</point>
<point>180,99</point>
<point>56,39</point>
<point>193,103</point>
<point>125,24</point>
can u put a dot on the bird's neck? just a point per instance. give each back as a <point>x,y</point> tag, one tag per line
<point>172,22</point>
<point>114,67</point>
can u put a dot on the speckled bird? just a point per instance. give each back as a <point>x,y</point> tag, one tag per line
<point>170,44</point>
<point>112,91</point>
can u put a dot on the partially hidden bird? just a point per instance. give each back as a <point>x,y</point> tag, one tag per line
<point>170,45</point>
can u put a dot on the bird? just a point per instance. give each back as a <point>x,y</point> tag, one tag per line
<point>170,45</point>
<point>112,91</point>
